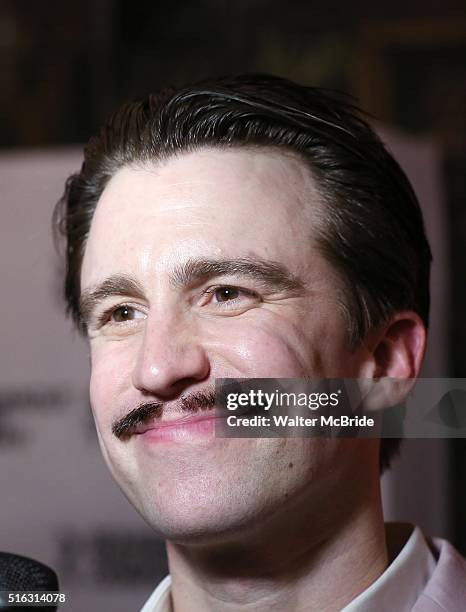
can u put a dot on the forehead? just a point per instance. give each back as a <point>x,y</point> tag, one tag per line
<point>211,202</point>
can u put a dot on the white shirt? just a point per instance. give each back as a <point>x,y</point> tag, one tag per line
<point>398,588</point>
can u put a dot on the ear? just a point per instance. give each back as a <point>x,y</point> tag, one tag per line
<point>397,350</point>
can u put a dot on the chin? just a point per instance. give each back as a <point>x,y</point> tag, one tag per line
<point>193,526</point>
<point>198,515</point>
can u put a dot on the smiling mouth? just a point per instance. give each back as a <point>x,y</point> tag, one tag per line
<point>185,421</point>
<point>151,416</point>
<point>199,414</point>
<point>184,429</point>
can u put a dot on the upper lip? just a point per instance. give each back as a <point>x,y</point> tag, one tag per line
<point>156,424</point>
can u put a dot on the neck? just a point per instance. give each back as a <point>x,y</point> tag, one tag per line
<point>320,561</point>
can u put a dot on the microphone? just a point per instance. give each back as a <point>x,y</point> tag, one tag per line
<point>19,573</point>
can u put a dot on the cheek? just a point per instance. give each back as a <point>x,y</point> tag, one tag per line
<point>286,347</point>
<point>265,351</point>
<point>100,393</point>
<point>111,368</point>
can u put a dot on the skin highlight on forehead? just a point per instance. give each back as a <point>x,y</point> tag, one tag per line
<point>204,189</point>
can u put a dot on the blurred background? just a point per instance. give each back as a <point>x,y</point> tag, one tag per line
<point>63,68</point>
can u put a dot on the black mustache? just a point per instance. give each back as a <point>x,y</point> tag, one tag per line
<point>123,428</point>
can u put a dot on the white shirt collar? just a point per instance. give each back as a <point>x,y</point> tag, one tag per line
<point>160,600</point>
<point>398,588</point>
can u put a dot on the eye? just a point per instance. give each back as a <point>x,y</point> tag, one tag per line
<point>229,297</point>
<point>225,294</point>
<point>125,313</point>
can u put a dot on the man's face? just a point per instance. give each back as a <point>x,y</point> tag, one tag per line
<point>176,328</point>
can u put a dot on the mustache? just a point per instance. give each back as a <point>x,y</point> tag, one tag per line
<point>123,428</point>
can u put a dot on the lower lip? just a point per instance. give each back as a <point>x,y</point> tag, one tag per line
<point>181,431</point>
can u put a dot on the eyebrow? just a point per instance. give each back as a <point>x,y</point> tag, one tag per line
<point>270,274</point>
<point>116,285</point>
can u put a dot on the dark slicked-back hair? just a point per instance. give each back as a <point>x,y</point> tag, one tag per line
<point>373,231</point>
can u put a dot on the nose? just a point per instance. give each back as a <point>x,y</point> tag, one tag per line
<point>169,360</point>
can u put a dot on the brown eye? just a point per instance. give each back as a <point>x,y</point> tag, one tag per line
<point>125,313</point>
<point>121,314</point>
<point>224,294</point>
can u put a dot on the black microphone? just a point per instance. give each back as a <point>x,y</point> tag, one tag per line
<point>19,573</point>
